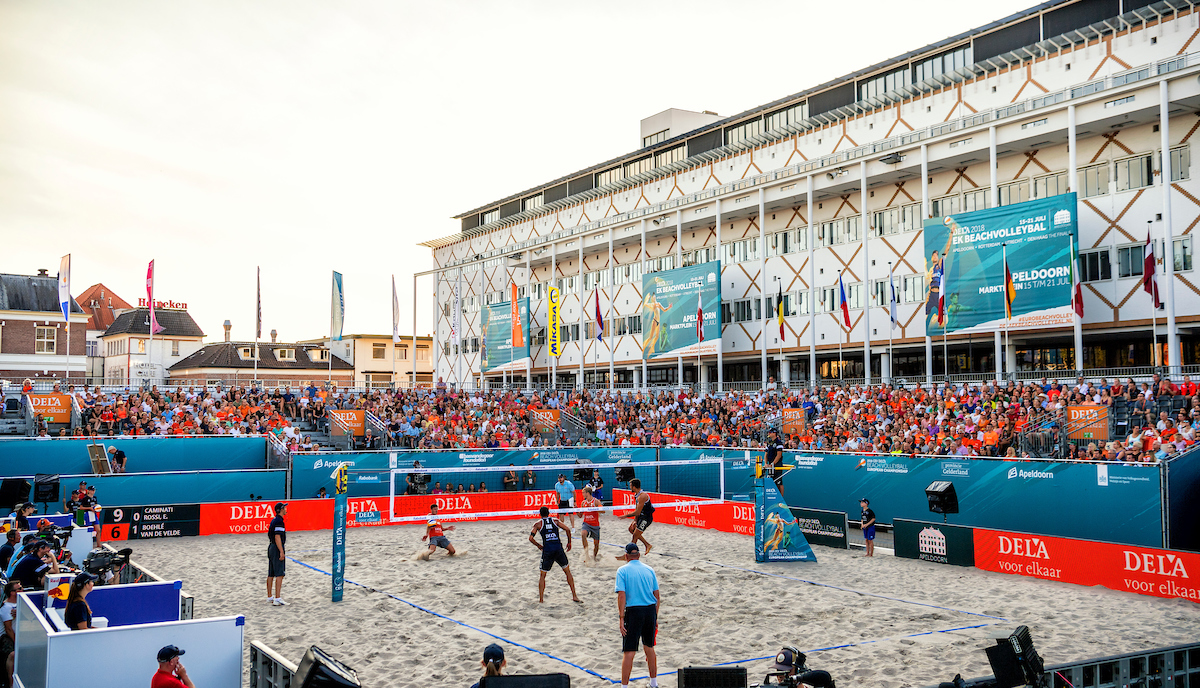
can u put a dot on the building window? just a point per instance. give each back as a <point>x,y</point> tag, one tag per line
<point>669,156</point>
<point>1093,181</point>
<point>854,295</point>
<point>800,302</point>
<point>781,243</point>
<point>247,353</point>
<point>1181,162</point>
<point>174,347</point>
<point>610,176</point>
<point>700,256</point>
<point>941,64</point>
<point>491,216</point>
<point>424,353</point>
<point>657,137</point>
<point>379,351</point>
<point>877,85</point>
<point>743,132</point>
<point>532,202</point>
<point>141,345</point>
<point>319,355</point>
<point>1050,185</point>
<point>45,339</point>
<point>91,349</point>
<point>787,117</point>
<point>1130,260</point>
<point>848,229</point>
<point>895,220</point>
<point>829,297</point>
<point>639,166</point>
<point>975,200</point>
<point>1014,192</point>
<point>623,274</point>
<point>741,251</point>
<point>1134,173</point>
<point>914,288</point>
<point>1095,266</point>
<point>401,353</point>
<point>947,205</point>
<point>635,324</point>
<point>1183,253</point>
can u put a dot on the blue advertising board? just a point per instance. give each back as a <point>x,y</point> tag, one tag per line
<point>24,457</point>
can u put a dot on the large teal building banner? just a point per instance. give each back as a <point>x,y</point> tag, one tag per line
<point>964,257</point>
<point>671,302</point>
<point>496,350</point>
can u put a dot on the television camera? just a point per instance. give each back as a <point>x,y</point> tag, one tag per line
<point>106,564</point>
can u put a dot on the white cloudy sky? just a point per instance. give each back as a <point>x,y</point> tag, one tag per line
<point>306,136</point>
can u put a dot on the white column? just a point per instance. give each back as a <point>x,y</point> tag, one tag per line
<point>885,365</point>
<point>720,308</point>
<point>762,282</point>
<point>437,333</point>
<point>785,371</point>
<point>999,355</point>
<point>1072,182</point>
<point>994,195</point>
<point>582,334</point>
<point>612,328</point>
<point>1164,129</point>
<point>554,283</point>
<point>925,214</point>
<point>812,285</point>
<point>637,377</point>
<point>865,227</point>
<point>641,268</point>
<point>679,264</point>
<point>528,295</point>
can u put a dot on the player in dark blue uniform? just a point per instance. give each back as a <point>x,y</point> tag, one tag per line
<point>552,551</point>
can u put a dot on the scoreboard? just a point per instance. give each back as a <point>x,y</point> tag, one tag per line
<point>144,522</point>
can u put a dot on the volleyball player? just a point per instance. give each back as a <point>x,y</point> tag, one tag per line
<point>552,551</point>
<point>591,523</point>
<point>642,515</point>
<point>434,533</point>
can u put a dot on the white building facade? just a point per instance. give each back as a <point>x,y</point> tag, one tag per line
<point>1077,97</point>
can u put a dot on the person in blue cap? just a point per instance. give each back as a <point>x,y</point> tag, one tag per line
<point>493,662</point>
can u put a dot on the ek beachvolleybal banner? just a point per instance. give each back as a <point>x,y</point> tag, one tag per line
<point>964,258</point>
<point>497,350</point>
<point>777,534</point>
<point>669,309</point>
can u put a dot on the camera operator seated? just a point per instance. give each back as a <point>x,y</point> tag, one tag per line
<point>791,671</point>
<point>31,570</point>
<point>417,483</point>
<point>56,537</point>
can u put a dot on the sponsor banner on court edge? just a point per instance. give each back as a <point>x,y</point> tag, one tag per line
<point>777,535</point>
<point>497,350</point>
<point>727,517</point>
<point>940,543</point>
<point>672,301</point>
<point>821,527</point>
<point>965,259</point>
<point>354,420</point>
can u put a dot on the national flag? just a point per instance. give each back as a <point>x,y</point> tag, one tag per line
<point>599,317</point>
<point>258,304</point>
<point>1076,285</point>
<point>779,312</point>
<point>337,309</point>
<point>893,302</point>
<point>395,314</point>
<point>155,328</point>
<point>842,300</point>
<point>1149,276</point>
<point>1010,291</point>
<point>940,274</point>
<point>64,287</point>
<point>699,318</point>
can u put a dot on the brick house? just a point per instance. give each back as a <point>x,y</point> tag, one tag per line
<point>33,336</point>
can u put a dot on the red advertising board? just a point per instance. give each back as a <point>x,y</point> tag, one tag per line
<point>354,420</point>
<point>55,408</point>
<point>477,503</point>
<point>727,517</point>
<point>1144,570</point>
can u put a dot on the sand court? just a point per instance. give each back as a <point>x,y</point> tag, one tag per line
<point>874,622</point>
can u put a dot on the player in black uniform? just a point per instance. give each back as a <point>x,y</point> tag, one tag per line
<point>552,551</point>
<point>642,515</point>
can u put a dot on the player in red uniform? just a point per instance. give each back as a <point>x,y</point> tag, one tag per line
<point>433,533</point>
<point>591,523</point>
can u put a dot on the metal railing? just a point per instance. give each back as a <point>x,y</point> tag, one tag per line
<point>269,669</point>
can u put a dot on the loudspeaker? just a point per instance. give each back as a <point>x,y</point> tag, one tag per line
<point>319,670</point>
<point>13,491</point>
<point>942,498</point>
<point>45,487</point>
<point>526,681</point>
<point>713,677</point>
<point>1005,665</point>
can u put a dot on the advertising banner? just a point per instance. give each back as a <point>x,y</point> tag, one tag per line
<point>821,527</point>
<point>354,419</point>
<point>55,408</point>
<point>1144,570</point>
<point>793,421</point>
<point>497,350</point>
<point>937,542</point>
<point>728,517</point>
<point>777,535</point>
<point>514,317</point>
<point>671,302</point>
<point>463,507</point>
<point>1088,422</point>
<point>554,311</point>
<point>544,420</point>
<point>964,258</point>
<point>340,507</point>
<point>145,522</point>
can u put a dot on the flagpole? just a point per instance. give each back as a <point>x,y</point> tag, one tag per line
<point>891,325</point>
<point>1007,316</point>
<point>150,348</point>
<point>257,319</point>
<point>841,363</point>
<point>1153,303</point>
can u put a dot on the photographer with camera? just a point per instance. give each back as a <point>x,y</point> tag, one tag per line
<point>417,483</point>
<point>791,672</point>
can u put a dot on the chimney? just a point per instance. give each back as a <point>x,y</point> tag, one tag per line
<point>42,272</point>
<point>273,335</point>
<point>228,326</point>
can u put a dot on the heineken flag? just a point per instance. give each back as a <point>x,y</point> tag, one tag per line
<point>669,312</point>
<point>965,253</point>
<point>777,533</point>
<point>496,350</point>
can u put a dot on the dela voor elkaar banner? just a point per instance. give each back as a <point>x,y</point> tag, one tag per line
<point>670,303</point>
<point>777,534</point>
<point>964,256</point>
<point>496,350</point>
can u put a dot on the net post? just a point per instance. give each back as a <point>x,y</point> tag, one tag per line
<point>721,474</point>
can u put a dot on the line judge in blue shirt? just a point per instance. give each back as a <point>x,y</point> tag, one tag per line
<point>638,600</point>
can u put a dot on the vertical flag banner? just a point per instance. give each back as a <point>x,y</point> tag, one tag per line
<point>1010,292</point>
<point>258,304</point>
<point>779,311</point>
<point>395,314</point>
<point>669,325</point>
<point>337,310</point>
<point>699,318</point>
<point>340,508</point>
<point>965,267</point>
<point>456,315</point>
<point>154,326</point>
<point>599,317</point>
<point>893,302</point>
<point>554,311</point>
<point>777,534</point>
<point>64,287</point>
<point>1149,272</point>
<point>1076,285</point>
<point>842,300</point>
<point>518,330</point>
<point>497,351</point>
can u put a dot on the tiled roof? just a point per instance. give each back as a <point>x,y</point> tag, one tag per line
<point>102,315</point>
<point>225,355</point>
<point>137,321</point>
<point>29,293</point>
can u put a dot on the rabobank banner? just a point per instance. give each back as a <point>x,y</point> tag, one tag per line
<point>964,257</point>
<point>496,350</point>
<point>1106,502</point>
<point>777,533</point>
<point>672,302</point>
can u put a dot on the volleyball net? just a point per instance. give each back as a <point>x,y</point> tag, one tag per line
<point>518,492</point>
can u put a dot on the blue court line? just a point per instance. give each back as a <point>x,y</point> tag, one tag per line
<point>460,623</point>
<point>824,585</point>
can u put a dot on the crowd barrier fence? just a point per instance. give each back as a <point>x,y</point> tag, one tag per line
<point>70,455</point>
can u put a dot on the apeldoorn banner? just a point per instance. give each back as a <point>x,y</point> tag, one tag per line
<point>939,543</point>
<point>1144,570</point>
<point>670,303</point>
<point>964,257</point>
<point>496,350</point>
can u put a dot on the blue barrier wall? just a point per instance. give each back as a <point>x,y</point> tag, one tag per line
<point>1110,503</point>
<point>1183,493</point>
<point>141,603</point>
<point>24,457</point>
<point>149,489</point>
